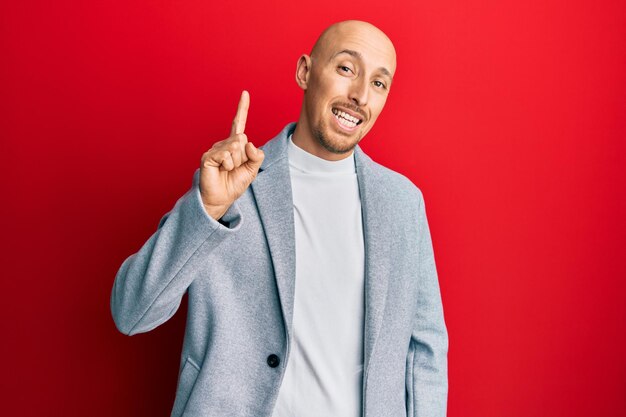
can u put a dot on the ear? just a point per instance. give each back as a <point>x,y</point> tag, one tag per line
<point>303,70</point>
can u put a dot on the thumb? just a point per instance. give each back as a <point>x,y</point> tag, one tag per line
<point>255,156</point>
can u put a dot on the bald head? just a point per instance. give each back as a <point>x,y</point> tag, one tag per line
<point>346,80</point>
<point>353,29</point>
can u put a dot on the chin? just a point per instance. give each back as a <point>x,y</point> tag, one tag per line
<point>335,143</point>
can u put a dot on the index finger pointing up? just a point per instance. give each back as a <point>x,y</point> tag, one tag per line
<point>239,122</point>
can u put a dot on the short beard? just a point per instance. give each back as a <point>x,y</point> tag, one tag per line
<point>330,147</point>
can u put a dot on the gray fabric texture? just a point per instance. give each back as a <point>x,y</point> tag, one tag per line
<point>239,276</point>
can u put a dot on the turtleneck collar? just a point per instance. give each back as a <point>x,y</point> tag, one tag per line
<point>311,164</point>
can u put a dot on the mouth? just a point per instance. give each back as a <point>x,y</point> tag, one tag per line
<point>345,119</point>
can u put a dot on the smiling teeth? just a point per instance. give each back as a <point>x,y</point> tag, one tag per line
<point>345,119</point>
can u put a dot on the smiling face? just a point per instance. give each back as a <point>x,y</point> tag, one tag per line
<point>346,81</point>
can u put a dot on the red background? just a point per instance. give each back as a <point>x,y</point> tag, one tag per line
<point>509,115</point>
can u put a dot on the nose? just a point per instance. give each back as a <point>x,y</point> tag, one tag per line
<point>359,91</point>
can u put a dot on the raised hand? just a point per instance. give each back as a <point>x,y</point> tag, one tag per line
<point>228,168</point>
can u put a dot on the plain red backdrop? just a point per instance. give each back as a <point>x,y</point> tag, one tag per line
<point>509,115</point>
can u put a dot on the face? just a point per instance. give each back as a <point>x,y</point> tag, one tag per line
<point>346,80</point>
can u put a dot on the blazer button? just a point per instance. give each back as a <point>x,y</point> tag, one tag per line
<point>273,361</point>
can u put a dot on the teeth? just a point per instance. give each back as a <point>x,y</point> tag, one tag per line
<point>345,122</point>
<point>345,119</point>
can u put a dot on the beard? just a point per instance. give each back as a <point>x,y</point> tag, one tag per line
<point>335,146</point>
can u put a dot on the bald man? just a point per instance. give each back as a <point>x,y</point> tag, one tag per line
<point>309,268</point>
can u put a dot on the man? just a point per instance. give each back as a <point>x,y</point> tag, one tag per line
<point>309,268</point>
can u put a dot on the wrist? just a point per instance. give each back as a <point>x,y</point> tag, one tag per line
<point>215,211</point>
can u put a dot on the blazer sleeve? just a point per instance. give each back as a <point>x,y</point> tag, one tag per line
<point>150,284</point>
<point>427,360</point>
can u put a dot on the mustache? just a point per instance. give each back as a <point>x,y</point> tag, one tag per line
<point>354,108</point>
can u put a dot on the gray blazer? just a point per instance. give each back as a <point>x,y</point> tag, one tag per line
<point>239,274</point>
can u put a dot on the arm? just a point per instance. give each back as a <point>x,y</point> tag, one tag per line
<point>150,284</point>
<point>427,362</point>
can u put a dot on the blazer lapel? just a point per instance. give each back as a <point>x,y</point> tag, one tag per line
<point>272,192</point>
<point>377,259</point>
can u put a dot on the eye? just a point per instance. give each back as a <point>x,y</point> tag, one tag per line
<point>380,84</point>
<point>344,69</point>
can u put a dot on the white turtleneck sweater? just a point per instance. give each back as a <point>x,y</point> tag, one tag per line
<point>324,372</point>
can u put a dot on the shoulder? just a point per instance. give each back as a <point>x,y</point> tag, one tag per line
<point>396,186</point>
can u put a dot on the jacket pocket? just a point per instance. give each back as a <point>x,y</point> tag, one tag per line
<point>186,382</point>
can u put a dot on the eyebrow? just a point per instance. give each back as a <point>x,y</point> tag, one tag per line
<point>358,55</point>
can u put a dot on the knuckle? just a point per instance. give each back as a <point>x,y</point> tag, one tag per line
<point>234,146</point>
<point>206,158</point>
